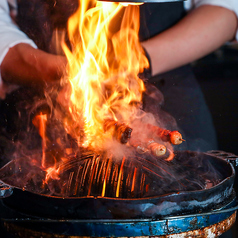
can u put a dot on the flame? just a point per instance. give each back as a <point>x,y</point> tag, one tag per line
<point>52,173</point>
<point>103,66</point>
<point>39,121</point>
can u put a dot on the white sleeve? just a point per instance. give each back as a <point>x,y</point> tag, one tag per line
<point>10,35</point>
<point>229,4</point>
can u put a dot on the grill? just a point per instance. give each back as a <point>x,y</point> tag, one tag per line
<point>199,212</point>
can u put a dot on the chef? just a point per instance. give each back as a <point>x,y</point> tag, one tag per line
<point>23,59</point>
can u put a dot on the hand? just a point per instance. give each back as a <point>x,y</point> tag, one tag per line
<point>25,65</point>
<point>199,33</point>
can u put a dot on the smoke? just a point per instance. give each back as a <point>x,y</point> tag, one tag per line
<point>91,174</point>
<point>71,170</point>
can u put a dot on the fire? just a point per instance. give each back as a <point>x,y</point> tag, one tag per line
<point>39,122</point>
<point>101,100</point>
<point>103,67</point>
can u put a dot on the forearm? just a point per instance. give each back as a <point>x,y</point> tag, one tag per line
<point>25,65</point>
<point>198,34</point>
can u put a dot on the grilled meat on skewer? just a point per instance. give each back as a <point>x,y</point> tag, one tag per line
<point>149,146</point>
<point>121,131</point>
<point>166,135</point>
<point>156,148</point>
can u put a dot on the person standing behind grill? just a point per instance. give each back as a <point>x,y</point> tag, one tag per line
<point>171,38</point>
<point>200,32</point>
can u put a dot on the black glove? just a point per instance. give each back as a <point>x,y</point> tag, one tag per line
<point>146,74</point>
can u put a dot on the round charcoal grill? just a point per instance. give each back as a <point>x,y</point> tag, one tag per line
<point>199,211</point>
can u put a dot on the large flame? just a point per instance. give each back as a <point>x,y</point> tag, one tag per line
<point>100,101</point>
<point>104,61</point>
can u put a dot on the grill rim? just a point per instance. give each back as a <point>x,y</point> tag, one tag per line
<point>118,208</point>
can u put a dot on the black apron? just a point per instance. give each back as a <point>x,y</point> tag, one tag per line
<point>38,18</point>
<point>157,17</point>
<point>183,98</point>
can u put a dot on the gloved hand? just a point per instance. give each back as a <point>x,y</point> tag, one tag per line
<point>146,74</point>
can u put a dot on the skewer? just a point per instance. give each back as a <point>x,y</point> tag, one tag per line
<point>121,131</point>
<point>149,146</point>
<point>166,135</point>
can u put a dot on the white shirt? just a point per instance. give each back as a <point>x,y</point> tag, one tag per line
<point>10,35</point>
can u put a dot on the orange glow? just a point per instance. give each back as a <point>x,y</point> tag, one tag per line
<point>125,4</point>
<point>100,100</point>
<point>105,179</point>
<point>39,122</point>
<point>134,179</point>
<point>171,154</point>
<point>103,68</point>
<point>120,178</point>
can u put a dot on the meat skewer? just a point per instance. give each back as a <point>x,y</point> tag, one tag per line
<point>121,131</point>
<point>166,135</point>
